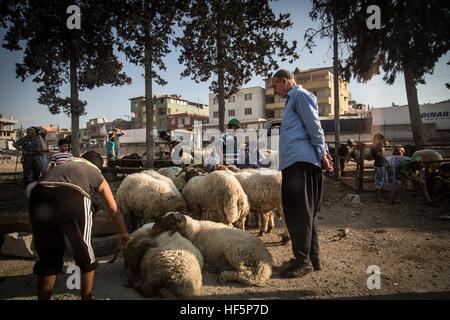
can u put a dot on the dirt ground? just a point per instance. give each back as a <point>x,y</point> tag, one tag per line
<point>409,242</point>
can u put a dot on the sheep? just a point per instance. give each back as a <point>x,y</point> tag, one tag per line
<point>218,197</point>
<point>263,189</point>
<point>164,264</point>
<point>178,177</point>
<point>431,159</point>
<point>235,254</point>
<point>147,195</point>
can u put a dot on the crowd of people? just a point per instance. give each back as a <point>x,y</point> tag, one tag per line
<point>423,170</point>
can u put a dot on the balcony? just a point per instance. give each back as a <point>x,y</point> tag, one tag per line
<point>316,84</point>
<point>269,92</point>
<point>324,100</point>
<point>277,105</point>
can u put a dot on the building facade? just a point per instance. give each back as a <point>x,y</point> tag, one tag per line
<point>165,106</point>
<point>247,105</point>
<point>320,82</point>
<point>185,121</point>
<point>6,131</point>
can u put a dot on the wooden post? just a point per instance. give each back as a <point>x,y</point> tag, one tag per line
<point>360,168</point>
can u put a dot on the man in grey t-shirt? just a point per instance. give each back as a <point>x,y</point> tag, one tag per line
<point>60,205</point>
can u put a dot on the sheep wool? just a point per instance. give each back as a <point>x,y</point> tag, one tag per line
<point>172,269</point>
<point>146,197</point>
<point>218,197</point>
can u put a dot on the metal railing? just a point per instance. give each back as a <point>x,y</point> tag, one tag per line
<point>361,172</point>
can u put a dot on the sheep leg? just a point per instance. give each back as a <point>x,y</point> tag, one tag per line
<point>240,224</point>
<point>285,238</point>
<point>264,223</point>
<point>271,224</point>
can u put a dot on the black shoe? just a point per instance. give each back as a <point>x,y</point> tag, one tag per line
<point>316,264</point>
<point>296,270</point>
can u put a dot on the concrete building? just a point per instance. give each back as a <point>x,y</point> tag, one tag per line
<point>395,124</point>
<point>6,131</point>
<point>164,106</point>
<point>319,81</point>
<point>185,121</point>
<point>247,105</point>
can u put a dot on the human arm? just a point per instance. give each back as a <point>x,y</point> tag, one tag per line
<point>306,107</point>
<point>105,193</point>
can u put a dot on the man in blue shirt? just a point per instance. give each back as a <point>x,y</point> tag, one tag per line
<point>303,155</point>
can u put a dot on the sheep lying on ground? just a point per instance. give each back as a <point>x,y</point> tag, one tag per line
<point>176,175</point>
<point>147,195</point>
<point>166,264</point>
<point>236,254</point>
<point>218,197</point>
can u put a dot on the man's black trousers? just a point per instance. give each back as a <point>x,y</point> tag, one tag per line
<point>302,187</point>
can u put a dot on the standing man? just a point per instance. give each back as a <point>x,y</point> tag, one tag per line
<point>117,134</point>
<point>28,145</point>
<point>303,155</point>
<point>230,149</point>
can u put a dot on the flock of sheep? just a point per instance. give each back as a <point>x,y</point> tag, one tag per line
<point>188,221</point>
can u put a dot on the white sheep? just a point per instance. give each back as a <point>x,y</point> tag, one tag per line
<point>166,264</point>
<point>148,195</point>
<point>176,175</point>
<point>218,197</point>
<point>236,254</point>
<point>263,189</point>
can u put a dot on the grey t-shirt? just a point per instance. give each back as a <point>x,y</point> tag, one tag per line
<point>77,173</point>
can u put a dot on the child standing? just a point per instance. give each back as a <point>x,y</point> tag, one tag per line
<point>63,155</point>
<point>379,165</point>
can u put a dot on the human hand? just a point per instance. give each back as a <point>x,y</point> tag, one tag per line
<point>327,162</point>
<point>124,238</point>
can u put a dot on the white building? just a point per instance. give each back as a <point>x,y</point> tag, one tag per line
<point>247,105</point>
<point>395,123</point>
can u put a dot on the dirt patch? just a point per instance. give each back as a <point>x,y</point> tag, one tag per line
<point>406,242</point>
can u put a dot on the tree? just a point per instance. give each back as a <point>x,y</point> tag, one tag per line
<point>412,37</point>
<point>145,31</point>
<point>55,55</point>
<point>233,40</point>
<point>326,12</point>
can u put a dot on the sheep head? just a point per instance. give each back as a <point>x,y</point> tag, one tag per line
<point>134,251</point>
<point>171,221</point>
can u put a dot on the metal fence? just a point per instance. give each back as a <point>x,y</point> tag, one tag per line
<point>358,169</point>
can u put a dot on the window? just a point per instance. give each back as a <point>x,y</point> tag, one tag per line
<point>248,96</point>
<point>215,101</point>
<point>231,113</point>
<point>247,111</point>
<point>162,111</point>
<point>232,99</point>
<point>215,114</point>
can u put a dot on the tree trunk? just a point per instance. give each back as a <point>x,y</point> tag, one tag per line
<point>148,93</point>
<point>337,129</point>
<point>75,104</point>
<point>220,73</point>
<point>413,105</point>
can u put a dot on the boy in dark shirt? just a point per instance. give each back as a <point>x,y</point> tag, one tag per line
<point>60,205</point>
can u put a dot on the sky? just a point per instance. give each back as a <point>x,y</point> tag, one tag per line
<point>19,99</point>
